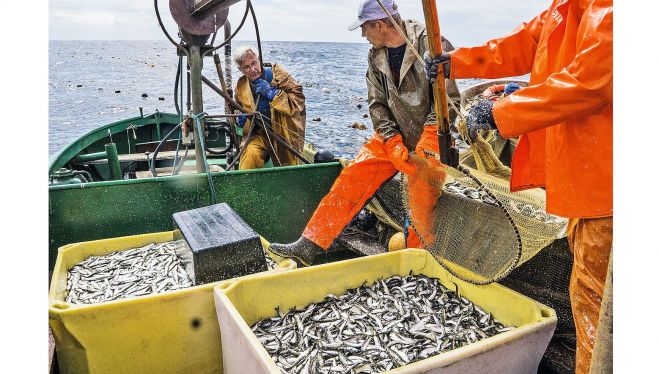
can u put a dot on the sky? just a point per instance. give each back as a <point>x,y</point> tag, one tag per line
<point>463,22</point>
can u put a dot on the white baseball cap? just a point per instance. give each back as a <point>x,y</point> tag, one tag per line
<point>370,10</point>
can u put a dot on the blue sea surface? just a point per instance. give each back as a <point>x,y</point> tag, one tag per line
<point>84,77</point>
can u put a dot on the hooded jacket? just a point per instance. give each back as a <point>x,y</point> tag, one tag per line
<point>288,112</point>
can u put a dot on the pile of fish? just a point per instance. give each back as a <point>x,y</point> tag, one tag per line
<point>518,207</point>
<point>375,328</point>
<point>469,192</point>
<point>536,213</point>
<point>154,268</point>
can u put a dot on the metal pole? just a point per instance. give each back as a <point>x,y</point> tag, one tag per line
<point>113,161</point>
<point>448,152</point>
<point>196,65</point>
<point>227,57</point>
<point>228,108</point>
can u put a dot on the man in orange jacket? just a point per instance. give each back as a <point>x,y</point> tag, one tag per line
<point>564,121</point>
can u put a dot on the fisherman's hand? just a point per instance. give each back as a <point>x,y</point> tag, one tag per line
<point>264,89</point>
<point>398,154</point>
<point>241,120</point>
<point>429,142</point>
<point>480,118</point>
<point>431,65</point>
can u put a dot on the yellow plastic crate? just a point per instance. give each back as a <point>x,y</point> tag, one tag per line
<point>171,332</point>
<point>242,302</point>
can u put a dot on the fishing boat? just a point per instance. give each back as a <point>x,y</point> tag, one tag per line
<point>129,177</point>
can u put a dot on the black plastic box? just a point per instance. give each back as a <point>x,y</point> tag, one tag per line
<point>223,246</point>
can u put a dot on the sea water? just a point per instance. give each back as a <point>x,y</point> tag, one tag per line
<point>93,83</point>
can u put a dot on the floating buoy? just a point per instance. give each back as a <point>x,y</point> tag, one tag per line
<point>79,85</point>
<point>397,242</point>
<point>117,91</point>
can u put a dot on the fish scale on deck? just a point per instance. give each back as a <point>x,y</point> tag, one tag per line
<point>375,328</point>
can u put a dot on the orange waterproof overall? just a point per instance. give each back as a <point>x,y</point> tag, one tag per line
<point>402,107</point>
<point>356,184</point>
<point>565,123</point>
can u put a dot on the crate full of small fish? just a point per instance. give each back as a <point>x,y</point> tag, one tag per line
<point>372,329</point>
<point>150,269</point>
<point>126,305</point>
<point>399,311</point>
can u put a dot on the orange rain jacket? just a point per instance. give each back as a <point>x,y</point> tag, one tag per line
<point>564,117</point>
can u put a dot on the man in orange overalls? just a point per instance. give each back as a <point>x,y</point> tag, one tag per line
<point>400,104</point>
<point>564,121</point>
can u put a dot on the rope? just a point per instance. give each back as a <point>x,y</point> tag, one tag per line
<point>414,51</point>
<point>227,40</point>
<point>409,43</point>
<point>197,121</point>
<point>267,135</point>
<point>162,26</point>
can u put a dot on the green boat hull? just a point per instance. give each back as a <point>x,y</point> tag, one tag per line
<point>276,202</point>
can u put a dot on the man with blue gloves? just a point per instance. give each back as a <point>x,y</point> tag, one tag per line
<point>280,103</point>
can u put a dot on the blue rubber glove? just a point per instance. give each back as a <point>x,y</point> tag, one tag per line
<point>241,121</point>
<point>265,89</point>
<point>480,118</point>
<point>430,66</point>
<point>510,88</point>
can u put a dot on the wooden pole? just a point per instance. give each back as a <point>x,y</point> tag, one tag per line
<point>448,153</point>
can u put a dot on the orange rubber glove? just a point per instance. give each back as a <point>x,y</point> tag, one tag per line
<point>428,141</point>
<point>398,154</point>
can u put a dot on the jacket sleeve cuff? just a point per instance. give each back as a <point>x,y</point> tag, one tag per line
<point>502,120</point>
<point>278,99</point>
<point>454,65</point>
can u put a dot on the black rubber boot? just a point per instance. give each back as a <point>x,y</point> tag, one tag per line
<point>303,251</point>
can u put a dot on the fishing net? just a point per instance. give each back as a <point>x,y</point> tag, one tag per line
<point>468,218</point>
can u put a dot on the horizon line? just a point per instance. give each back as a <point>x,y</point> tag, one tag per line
<point>165,40</point>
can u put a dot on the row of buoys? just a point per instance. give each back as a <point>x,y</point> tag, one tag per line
<point>358,126</point>
<point>144,95</point>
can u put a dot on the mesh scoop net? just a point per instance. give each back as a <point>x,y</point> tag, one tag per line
<point>477,229</point>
